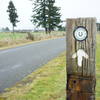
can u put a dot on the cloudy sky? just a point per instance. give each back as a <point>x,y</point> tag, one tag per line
<point>69,9</point>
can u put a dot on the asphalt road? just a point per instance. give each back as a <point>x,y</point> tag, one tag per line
<point>16,63</point>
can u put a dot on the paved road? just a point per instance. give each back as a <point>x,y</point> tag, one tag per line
<point>18,62</point>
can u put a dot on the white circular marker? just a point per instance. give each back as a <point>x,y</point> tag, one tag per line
<point>80,33</point>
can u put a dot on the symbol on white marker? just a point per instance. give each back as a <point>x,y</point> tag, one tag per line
<point>80,54</point>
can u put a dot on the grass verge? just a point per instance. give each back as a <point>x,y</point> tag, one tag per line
<point>47,83</point>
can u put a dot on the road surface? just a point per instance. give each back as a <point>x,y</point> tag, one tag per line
<point>16,63</point>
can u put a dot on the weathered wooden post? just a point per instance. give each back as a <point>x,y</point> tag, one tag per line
<point>81,40</point>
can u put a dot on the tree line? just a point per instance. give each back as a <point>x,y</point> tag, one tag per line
<point>45,15</point>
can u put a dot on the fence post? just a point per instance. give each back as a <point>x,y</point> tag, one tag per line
<point>81,41</point>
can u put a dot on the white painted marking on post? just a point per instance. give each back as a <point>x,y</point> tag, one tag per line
<point>80,54</point>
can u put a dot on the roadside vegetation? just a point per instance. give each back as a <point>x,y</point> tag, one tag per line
<point>48,82</point>
<point>10,40</point>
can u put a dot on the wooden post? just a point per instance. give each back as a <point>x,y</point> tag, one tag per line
<point>81,41</point>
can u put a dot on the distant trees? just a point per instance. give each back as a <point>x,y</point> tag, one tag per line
<point>6,29</point>
<point>46,15</point>
<point>12,14</point>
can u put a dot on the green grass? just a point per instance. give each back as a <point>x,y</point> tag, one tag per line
<point>98,68</point>
<point>48,82</point>
<point>11,36</point>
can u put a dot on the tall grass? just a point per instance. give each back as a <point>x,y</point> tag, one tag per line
<point>7,39</point>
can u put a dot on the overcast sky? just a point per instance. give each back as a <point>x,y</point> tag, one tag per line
<point>69,9</point>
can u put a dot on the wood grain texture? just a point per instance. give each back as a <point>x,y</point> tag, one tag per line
<point>81,81</point>
<point>88,65</point>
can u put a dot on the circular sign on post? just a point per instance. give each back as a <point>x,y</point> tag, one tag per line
<point>80,33</point>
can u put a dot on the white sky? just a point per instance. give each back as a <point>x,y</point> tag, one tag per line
<point>69,9</point>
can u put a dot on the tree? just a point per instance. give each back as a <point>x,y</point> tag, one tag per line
<point>53,16</point>
<point>12,14</point>
<point>46,15</point>
<point>39,14</point>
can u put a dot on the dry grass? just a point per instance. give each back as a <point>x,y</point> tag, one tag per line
<point>8,39</point>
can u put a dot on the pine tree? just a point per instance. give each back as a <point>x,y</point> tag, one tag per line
<point>12,14</point>
<point>53,16</point>
<point>39,14</point>
<point>46,15</point>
